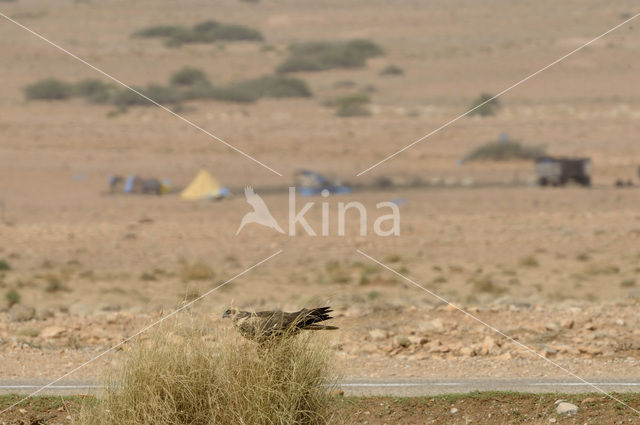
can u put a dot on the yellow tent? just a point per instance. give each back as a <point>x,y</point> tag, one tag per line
<point>203,186</point>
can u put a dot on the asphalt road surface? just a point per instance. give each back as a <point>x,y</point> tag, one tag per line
<point>396,387</point>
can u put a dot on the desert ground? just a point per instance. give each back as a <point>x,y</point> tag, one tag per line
<point>558,269</point>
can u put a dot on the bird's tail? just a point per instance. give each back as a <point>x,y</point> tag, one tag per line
<point>321,328</point>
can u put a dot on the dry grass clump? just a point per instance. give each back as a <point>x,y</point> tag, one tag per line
<point>183,374</point>
<point>196,271</point>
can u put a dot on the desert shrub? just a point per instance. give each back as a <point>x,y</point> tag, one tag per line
<point>237,92</point>
<point>184,374</point>
<point>12,296</point>
<point>487,109</point>
<point>4,265</point>
<point>189,76</point>
<point>354,105</point>
<point>157,31</point>
<point>204,32</point>
<point>628,283</point>
<point>196,271</point>
<point>503,150</point>
<point>164,95</point>
<point>319,55</point>
<point>54,283</point>
<point>48,89</point>
<point>276,86</point>
<point>485,284</point>
<point>95,91</point>
<point>529,261</point>
<point>391,70</point>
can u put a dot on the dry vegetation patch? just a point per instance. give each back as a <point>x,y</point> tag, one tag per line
<point>187,374</point>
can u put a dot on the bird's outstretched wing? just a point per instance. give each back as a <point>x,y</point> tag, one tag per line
<point>255,200</point>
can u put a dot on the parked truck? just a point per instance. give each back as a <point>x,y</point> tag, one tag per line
<point>553,171</point>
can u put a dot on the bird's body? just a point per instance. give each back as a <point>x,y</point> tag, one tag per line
<point>260,213</point>
<point>263,326</point>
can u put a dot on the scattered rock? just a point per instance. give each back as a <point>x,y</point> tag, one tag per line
<point>53,332</point>
<point>368,348</point>
<point>487,345</point>
<point>565,408</point>
<point>568,324</point>
<point>403,341</point>
<point>454,410</point>
<point>434,325</point>
<point>377,334</point>
<point>467,352</point>
<point>21,313</point>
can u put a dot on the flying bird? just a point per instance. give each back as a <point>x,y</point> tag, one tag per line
<point>264,326</point>
<point>260,213</point>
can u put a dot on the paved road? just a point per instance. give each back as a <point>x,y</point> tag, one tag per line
<point>397,387</point>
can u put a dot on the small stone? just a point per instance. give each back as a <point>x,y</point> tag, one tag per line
<point>368,348</point>
<point>454,410</point>
<point>53,332</point>
<point>568,324</point>
<point>487,345</point>
<point>552,326</point>
<point>565,408</point>
<point>553,420</point>
<point>377,334</point>
<point>434,325</point>
<point>403,341</point>
<point>467,352</point>
<point>21,313</point>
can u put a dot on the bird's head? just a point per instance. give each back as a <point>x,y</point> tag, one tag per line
<point>230,312</point>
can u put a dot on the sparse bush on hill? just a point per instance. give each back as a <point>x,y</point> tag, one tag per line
<point>391,70</point>
<point>503,150</point>
<point>164,95</point>
<point>4,265</point>
<point>204,32</point>
<point>187,375</point>
<point>354,105</point>
<point>12,296</point>
<point>277,86</point>
<point>95,91</point>
<point>157,31</point>
<point>487,109</point>
<point>185,84</point>
<point>48,89</point>
<point>188,76</point>
<point>319,55</point>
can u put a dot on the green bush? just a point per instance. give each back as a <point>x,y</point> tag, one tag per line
<point>354,105</point>
<point>277,86</point>
<point>95,91</point>
<point>164,95</point>
<point>188,76</point>
<point>4,265</point>
<point>204,32</point>
<point>252,90</point>
<point>318,56</point>
<point>48,89</point>
<point>503,150</point>
<point>487,109</point>
<point>12,296</point>
<point>391,70</point>
<point>158,31</point>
